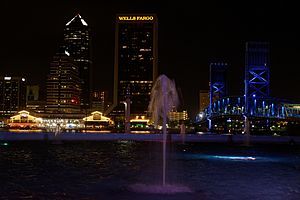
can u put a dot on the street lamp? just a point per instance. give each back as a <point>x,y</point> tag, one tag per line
<point>127,103</point>
<point>127,115</point>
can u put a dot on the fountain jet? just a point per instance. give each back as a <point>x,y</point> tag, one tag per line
<point>164,97</point>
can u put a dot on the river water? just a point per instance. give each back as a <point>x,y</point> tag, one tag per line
<point>117,169</point>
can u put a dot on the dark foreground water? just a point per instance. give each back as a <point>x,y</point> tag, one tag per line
<point>109,170</point>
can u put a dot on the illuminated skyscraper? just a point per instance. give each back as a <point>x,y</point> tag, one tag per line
<point>63,86</point>
<point>135,67</point>
<point>77,40</point>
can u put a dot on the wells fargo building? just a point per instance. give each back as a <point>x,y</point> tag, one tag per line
<point>135,67</point>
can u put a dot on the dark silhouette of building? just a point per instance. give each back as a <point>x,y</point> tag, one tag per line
<point>33,99</point>
<point>77,41</point>
<point>32,93</point>
<point>12,95</point>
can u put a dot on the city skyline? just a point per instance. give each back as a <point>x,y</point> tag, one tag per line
<point>188,36</point>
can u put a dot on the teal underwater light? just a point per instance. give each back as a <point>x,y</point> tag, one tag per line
<point>3,144</point>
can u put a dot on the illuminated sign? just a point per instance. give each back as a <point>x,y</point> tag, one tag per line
<point>136,18</point>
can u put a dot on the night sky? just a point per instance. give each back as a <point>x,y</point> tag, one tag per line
<point>190,36</point>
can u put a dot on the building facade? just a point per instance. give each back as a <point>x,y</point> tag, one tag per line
<point>32,93</point>
<point>135,67</point>
<point>99,101</point>
<point>77,41</point>
<point>33,100</point>
<point>63,85</point>
<point>178,116</point>
<point>12,95</point>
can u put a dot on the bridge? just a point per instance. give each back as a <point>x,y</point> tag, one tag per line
<point>255,111</point>
<point>265,114</point>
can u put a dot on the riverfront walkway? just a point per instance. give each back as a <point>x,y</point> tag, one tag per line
<point>197,137</point>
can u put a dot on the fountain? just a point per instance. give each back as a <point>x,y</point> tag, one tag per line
<point>164,97</point>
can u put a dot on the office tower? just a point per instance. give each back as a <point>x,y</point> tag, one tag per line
<point>12,95</point>
<point>77,41</point>
<point>63,85</point>
<point>135,67</point>
<point>99,101</point>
